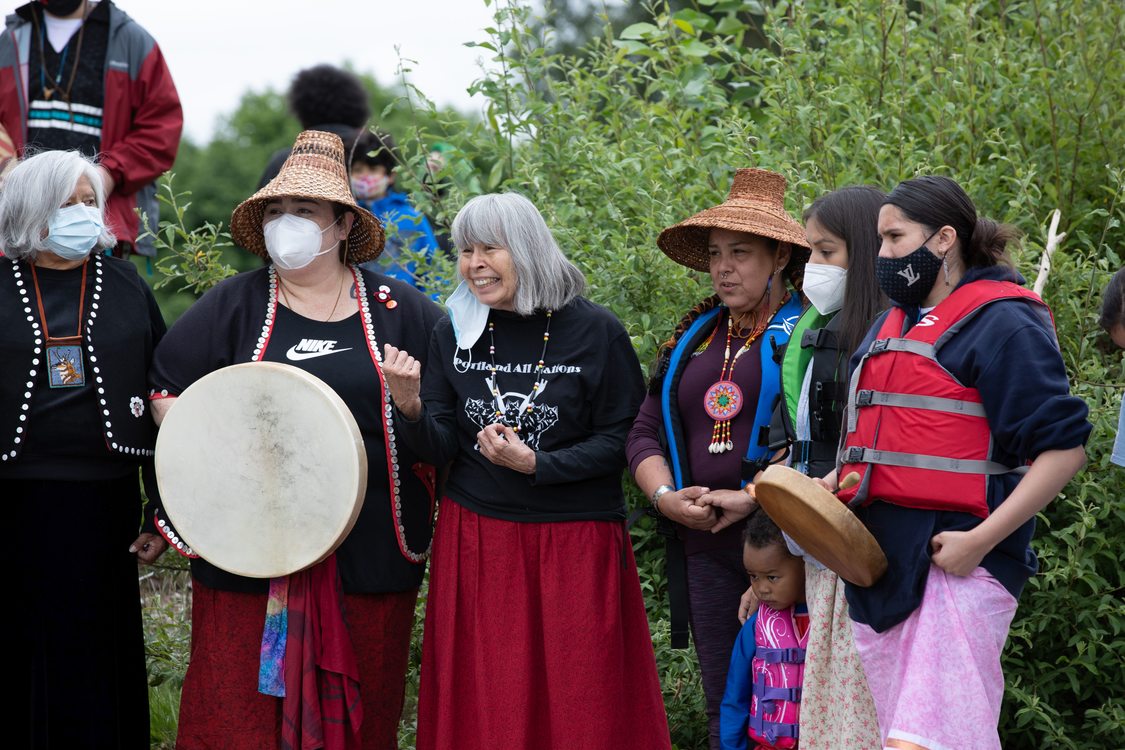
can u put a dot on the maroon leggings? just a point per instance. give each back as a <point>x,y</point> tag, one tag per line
<point>716,581</point>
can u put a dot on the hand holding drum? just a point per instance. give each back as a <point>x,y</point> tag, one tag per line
<point>821,524</point>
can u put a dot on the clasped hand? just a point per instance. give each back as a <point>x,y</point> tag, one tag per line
<point>501,445</point>
<point>704,509</point>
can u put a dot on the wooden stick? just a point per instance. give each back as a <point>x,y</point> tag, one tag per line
<point>1053,240</point>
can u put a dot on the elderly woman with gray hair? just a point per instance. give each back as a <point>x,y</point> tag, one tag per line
<point>78,336</point>
<point>535,631</point>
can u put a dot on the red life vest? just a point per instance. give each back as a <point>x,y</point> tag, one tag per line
<point>918,437</point>
<point>778,671</point>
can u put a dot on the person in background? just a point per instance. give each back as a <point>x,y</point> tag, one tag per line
<point>373,184</point>
<point>328,99</point>
<point>79,333</point>
<point>84,76</point>
<point>1113,321</point>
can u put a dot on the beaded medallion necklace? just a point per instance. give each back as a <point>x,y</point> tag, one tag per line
<point>528,405</point>
<point>723,400</point>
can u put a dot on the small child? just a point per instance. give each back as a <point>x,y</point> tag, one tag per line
<point>373,177</point>
<point>763,695</point>
<point>1113,321</point>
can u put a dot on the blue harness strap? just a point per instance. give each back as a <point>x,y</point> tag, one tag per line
<point>666,405</point>
<point>779,655</point>
<point>776,335</point>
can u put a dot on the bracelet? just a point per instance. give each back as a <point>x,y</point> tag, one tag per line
<point>660,492</point>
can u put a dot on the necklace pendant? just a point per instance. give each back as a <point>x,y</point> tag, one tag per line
<point>65,368</point>
<point>723,400</point>
<point>48,93</point>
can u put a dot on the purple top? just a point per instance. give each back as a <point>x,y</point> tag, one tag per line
<point>715,471</point>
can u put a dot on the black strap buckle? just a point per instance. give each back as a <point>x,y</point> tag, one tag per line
<point>864,397</point>
<point>853,455</point>
<point>879,345</point>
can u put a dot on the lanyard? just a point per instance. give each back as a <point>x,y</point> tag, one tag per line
<point>64,355</point>
<point>81,303</point>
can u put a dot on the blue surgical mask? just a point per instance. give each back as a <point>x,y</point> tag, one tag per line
<point>73,231</point>
<point>468,315</point>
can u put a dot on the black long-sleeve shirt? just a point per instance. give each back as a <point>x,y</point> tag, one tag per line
<point>577,425</point>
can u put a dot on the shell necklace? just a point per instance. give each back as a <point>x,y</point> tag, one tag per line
<point>723,400</point>
<point>528,404</point>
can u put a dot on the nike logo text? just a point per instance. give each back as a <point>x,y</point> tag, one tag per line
<point>309,348</point>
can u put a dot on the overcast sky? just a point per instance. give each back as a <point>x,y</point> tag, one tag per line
<point>218,49</point>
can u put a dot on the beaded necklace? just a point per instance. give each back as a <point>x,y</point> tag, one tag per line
<point>723,400</point>
<point>528,405</point>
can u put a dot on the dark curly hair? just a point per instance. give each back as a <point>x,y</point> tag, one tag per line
<point>375,149</point>
<point>325,94</point>
<point>761,532</point>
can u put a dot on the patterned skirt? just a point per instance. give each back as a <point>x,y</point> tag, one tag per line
<point>837,710</point>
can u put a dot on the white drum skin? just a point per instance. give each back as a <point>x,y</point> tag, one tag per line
<point>261,469</point>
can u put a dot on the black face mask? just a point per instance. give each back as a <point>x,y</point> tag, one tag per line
<point>60,8</point>
<point>908,280</point>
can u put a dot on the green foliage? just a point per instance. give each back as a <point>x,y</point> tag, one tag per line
<point>1018,100</point>
<point>164,594</point>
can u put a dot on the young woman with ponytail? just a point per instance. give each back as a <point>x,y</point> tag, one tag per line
<point>961,424</point>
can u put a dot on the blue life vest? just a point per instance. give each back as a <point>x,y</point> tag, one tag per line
<point>775,337</point>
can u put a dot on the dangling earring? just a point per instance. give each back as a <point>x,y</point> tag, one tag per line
<point>945,267</point>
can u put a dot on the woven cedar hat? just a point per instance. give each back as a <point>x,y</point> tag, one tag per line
<point>314,169</point>
<point>756,205</point>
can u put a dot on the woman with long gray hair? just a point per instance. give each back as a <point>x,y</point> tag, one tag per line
<point>77,340</point>
<point>535,633</point>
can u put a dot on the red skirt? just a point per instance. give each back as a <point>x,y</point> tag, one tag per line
<point>220,706</point>
<point>536,636</point>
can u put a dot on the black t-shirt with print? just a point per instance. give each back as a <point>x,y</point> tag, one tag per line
<point>577,426</point>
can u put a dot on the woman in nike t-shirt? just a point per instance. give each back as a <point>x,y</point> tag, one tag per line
<point>306,309</point>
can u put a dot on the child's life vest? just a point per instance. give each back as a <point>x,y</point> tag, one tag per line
<point>916,435</point>
<point>778,672</point>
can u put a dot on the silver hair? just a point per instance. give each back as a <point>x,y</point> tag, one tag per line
<point>37,187</point>
<point>545,279</point>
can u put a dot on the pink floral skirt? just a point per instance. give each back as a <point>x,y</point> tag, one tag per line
<point>936,676</point>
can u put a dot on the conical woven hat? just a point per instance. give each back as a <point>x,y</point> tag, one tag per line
<point>756,205</point>
<point>315,169</point>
